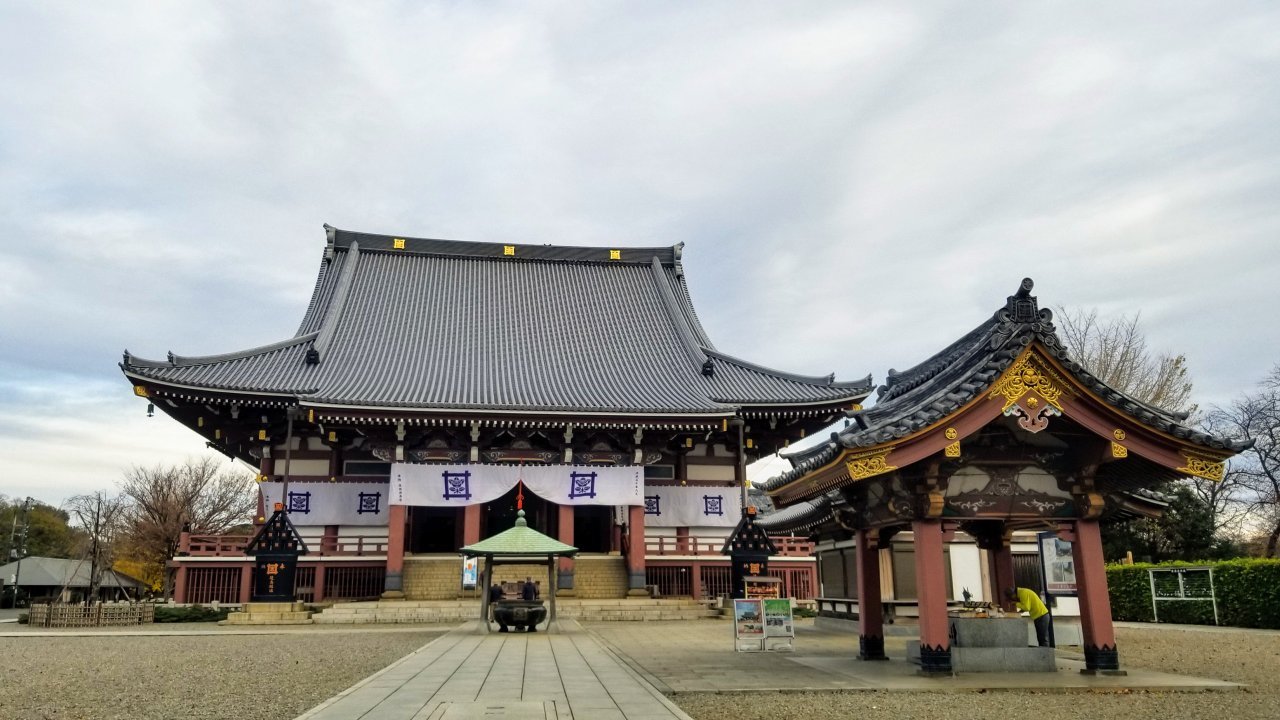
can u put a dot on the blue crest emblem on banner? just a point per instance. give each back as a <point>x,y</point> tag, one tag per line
<point>713,505</point>
<point>652,504</point>
<point>369,503</point>
<point>457,486</point>
<point>582,485</point>
<point>299,502</point>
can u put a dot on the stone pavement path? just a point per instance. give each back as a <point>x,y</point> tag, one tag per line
<point>466,673</point>
<point>698,656</point>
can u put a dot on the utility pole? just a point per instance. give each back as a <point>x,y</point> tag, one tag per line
<point>21,550</point>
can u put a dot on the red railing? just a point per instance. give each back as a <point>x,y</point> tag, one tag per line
<point>788,546</point>
<point>233,545</point>
<point>214,545</point>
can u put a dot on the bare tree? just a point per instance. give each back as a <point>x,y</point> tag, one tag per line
<point>197,495</point>
<point>100,517</point>
<point>1256,416</point>
<point>1115,350</point>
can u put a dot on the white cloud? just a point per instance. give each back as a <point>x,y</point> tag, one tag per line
<point>858,185</point>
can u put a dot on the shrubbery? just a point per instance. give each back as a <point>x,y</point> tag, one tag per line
<point>1248,593</point>
<point>166,614</point>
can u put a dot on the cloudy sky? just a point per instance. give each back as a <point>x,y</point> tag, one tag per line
<point>856,184</point>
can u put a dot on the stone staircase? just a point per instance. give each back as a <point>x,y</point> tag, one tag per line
<point>270,613</point>
<point>600,577</point>
<point>454,611</point>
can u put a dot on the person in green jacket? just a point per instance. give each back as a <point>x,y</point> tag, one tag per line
<point>1029,602</point>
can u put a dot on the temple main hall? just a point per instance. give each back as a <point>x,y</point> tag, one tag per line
<point>433,386</point>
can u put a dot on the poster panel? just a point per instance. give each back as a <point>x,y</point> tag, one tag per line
<point>748,619</point>
<point>1058,564</point>
<point>778,620</point>
<point>470,571</point>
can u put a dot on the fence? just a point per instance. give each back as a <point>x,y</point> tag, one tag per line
<point>713,581</point>
<point>207,584</point>
<point>97,615</point>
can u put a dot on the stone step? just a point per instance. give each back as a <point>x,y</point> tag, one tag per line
<point>410,611</point>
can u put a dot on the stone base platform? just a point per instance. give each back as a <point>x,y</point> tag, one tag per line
<point>269,613</point>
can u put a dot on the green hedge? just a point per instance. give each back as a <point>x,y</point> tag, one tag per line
<point>195,613</point>
<point>1248,593</point>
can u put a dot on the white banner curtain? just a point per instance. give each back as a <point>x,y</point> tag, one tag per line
<point>469,484</point>
<point>686,506</point>
<point>331,503</point>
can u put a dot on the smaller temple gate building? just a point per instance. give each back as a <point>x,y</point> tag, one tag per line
<point>1000,432</point>
<point>432,381</point>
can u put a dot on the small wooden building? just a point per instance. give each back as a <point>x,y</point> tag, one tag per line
<point>1000,431</point>
<point>421,360</point>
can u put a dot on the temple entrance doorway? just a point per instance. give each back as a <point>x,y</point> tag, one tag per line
<point>433,530</point>
<point>500,514</point>
<point>593,528</point>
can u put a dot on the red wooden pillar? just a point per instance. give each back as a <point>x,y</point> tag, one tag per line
<point>180,584</point>
<point>329,541</point>
<point>636,550</point>
<point>564,523</point>
<point>870,610</point>
<point>682,541</point>
<point>394,587</point>
<point>471,524</point>
<point>246,583</point>
<point>1001,555</point>
<point>318,584</point>
<point>931,595</point>
<point>1100,654</point>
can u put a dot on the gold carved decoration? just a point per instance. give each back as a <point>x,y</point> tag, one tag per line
<point>1118,434</point>
<point>397,243</point>
<point>1029,373</point>
<point>615,254</point>
<point>952,450</point>
<point>141,391</point>
<point>1028,382</point>
<point>869,464</point>
<point>1091,505</point>
<point>936,501</point>
<point>1118,450</point>
<point>1203,467</point>
<point>508,249</point>
<point>951,434</point>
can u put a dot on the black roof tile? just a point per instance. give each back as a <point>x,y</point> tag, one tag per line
<point>488,326</point>
<point>928,392</point>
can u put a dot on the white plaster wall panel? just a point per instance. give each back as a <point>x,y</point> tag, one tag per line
<point>966,571</point>
<point>710,472</point>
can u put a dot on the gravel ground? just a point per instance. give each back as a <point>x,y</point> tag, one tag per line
<point>203,677</point>
<point>1245,657</point>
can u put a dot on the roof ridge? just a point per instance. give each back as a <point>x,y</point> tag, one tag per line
<point>329,325</point>
<point>174,360</point>
<point>828,380</point>
<point>604,255</point>
<point>669,303</point>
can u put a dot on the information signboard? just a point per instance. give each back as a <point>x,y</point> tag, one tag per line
<point>779,625</point>
<point>470,570</point>
<point>748,625</point>
<point>1058,564</point>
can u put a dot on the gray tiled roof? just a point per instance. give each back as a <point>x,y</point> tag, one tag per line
<point>59,572</point>
<point>454,325</point>
<point>927,393</point>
